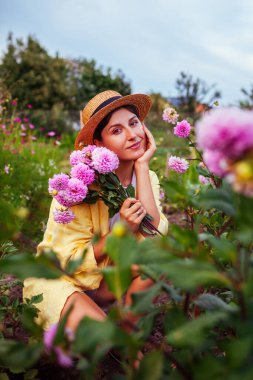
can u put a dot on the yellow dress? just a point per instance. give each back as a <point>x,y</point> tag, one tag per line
<point>68,241</point>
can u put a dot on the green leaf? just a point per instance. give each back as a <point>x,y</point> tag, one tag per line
<point>219,199</point>
<point>24,265</point>
<point>130,191</point>
<point>151,366</point>
<point>18,356</point>
<point>194,333</point>
<point>37,299</point>
<point>143,300</point>
<point>209,301</point>
<point>118,279</point>
<point>189,274</point>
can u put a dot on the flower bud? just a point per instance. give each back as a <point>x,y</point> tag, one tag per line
<point>54,192</point>
<point>119,229</point>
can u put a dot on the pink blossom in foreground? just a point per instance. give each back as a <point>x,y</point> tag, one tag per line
<point>226,130</point>
<point>63,358</point>
<point>203,180</point>
<point>104,160</point>
<point>7,169</point>
<point>14,102</point>
<point>215,162</point>
<point>51,133</point>
<point>59,181</point>
<point>49,335</point>
<point>83,172</point>
<point>179,165</point>
<point>182,129</point>
<point>31,126</point>
<point>48,339</point>
<point>63,216</point>
<point>17,120</point>
<point>170,115</point>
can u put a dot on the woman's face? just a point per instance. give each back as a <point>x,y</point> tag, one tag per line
<point>124,135</point>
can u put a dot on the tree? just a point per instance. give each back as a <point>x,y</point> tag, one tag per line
<point>194,93</point>
<point>87,79</point>
<point>33,76</point>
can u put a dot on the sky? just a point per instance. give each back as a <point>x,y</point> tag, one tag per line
<point>151,41</point>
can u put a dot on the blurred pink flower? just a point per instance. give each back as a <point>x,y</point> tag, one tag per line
<point>14,102</point>
<point>179,165</point>
<point>203,180</point>
<point>31,126</point>
<point>228,131</point>
<point>63,216</point>
<point>7,169</point>
<point>17,120</point>
<point>49,335</point>
<point>48,339</point>
<point>23,127</point>
<point>162,194</point>
<point>29,106</point>
<point>51,133</point>
<point>170,115</point>
<point>33,152</point>
<point>23,134</point>
<point>26,120</point>
<point>182,129</point>
<point>83,172</point>
<point>215,162</point>
<point>63,358</point>
<point>34,138</point>
<point>59,182</point>
<point>104,160</point>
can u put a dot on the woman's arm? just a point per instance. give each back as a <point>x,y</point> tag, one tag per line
<point>144,191</point>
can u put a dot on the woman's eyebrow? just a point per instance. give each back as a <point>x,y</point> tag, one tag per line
<point>118,125</point>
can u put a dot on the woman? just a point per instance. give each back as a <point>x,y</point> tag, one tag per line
<point>115,122</point>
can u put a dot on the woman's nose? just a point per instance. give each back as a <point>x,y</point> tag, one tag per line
<point>131,133</point>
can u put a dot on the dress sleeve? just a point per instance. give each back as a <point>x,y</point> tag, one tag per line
<point>69,241</point>
<point>163,224</point>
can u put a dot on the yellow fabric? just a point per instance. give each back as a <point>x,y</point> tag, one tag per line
<point>68,241</point>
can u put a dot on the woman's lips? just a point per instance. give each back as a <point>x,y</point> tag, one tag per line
<point>135,146</point>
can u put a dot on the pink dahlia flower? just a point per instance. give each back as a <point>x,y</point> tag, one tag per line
<point>76,190</point>
<point>63,216</point>
<point>226,130</point>
<point>59,182</point>
<point>76,157</point>
<point>83,172</point>
<point>215,162</point>
<point>170,115</point>
<point>182,129</point>
<point>104,160</point>
<point>179,165</point>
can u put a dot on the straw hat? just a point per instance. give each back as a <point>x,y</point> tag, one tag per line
<point>103,103</point>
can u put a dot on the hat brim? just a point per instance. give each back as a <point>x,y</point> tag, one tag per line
<point>140,101</point>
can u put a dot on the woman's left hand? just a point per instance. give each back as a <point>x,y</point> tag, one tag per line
<point>151,148</point>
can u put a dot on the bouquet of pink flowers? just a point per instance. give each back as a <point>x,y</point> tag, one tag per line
<point>92,166</point>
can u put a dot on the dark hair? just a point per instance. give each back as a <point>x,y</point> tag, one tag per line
<point>97,133</point>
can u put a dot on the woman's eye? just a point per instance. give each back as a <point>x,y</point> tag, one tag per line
<point>116,131</point>
<point>135,122</point>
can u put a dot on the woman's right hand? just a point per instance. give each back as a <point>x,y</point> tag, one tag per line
<point>132,212</point>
